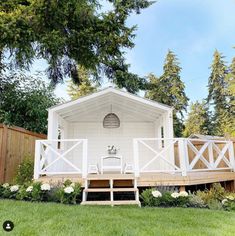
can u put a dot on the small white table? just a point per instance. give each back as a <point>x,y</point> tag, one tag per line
<point>111,167</point>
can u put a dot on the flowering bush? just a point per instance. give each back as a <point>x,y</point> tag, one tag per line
<point>69,193</point>
<point>229,203</point>
<point>156,193</point>
<point>152,197</point>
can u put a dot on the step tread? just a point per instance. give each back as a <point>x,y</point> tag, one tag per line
<point>126,202</point>
<point>109,177</point>
<point>111,189</point>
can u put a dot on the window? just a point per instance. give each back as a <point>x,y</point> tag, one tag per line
<point>111,121</point>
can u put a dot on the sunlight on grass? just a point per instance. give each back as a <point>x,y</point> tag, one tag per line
<point>57,219</point>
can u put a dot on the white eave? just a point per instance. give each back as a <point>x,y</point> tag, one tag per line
<point>111,90</point>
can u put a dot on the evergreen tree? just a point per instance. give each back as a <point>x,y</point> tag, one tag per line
<point>67,33</point>
<point>217,83</point>
<point>86,87</point>
<point>220,96</point>
<point>198,120</point>
<point>169,89</point>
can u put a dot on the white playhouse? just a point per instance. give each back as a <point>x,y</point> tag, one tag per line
<point>112,134</point>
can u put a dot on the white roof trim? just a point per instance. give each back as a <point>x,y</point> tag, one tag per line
<point>115,91</point>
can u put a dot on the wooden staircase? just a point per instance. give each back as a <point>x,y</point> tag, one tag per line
<point>110,184</point>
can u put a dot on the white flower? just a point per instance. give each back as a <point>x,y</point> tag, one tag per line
<point>156,193</point>
<point>175,195</point>
<point>5,185</point>
<point>68,189</point>
<point>45,187</point>
<point>183,194</point>
<point>224,201</point>
<point>14,188</point>
<point>231,198</point>
<point>29,189</point>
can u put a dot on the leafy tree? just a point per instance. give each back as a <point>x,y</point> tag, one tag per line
<point>67,33</point>
<point>169,89</point>
<point>24,100</point>
<point>86,87</point>
<point>198,120</point>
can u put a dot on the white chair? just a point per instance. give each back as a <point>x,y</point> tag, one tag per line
<point>111,163</point>
<point>128,169</point>
<point>93,169</point>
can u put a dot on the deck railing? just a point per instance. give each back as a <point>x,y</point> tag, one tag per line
<point>69,156</point>
<point>57,157</point>
<point>182,155</point>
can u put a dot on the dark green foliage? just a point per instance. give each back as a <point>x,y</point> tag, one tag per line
<point>24,100</point>
<point>170,90</point>
<point>221,96</point>
<point>25,171</point>
<point>67,33</point>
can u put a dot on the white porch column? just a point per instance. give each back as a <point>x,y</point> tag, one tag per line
<point>52,125</point>
<point>53,132</point>
<point>136,157</point>
<point>169,135</point>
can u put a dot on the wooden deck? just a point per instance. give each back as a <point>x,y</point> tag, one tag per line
<point>151,179</point>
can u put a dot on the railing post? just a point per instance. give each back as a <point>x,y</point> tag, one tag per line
<point>231,155</point>
<point>37,159</point>
<point>84,159</point>
<point>211,155</point>
<point>136,157</point>
<point>183,155</point>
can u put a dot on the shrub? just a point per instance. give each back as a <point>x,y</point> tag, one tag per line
<point>147,197</point>
<point>10,191</point>
<point>214,204</point>
<point>229,203</point>
<point>196,201</point>
<point>214,196</point>
<point>69,193</point>
<point>25,171</point>
<point>165,199</point>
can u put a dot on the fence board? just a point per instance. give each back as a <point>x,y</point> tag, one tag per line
<point>15,144</point>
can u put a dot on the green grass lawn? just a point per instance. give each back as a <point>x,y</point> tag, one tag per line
<point>57,219</point>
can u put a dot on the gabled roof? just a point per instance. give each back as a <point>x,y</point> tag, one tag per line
<point>111,90</point>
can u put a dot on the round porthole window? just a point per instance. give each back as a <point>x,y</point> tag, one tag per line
<point>111,121</point>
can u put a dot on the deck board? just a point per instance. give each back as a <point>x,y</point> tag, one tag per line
<point>152,179</point>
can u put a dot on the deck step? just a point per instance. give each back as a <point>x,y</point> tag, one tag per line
<point>112,203</point>
<point>110,190</point>
<point>111,176</point>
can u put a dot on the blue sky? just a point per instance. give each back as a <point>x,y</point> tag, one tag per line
<point>192,29</point>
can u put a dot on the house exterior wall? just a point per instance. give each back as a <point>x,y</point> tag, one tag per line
<point>100,138</point>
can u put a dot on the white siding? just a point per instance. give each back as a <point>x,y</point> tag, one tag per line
<point>100,138</point>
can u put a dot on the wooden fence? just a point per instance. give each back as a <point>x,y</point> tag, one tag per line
<point>15,144</point>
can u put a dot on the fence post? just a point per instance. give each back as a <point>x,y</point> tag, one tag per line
<point>84,159</point>
<point>37,159</point>
<point>136,157</point>
<point>183,155</point>
<point>3,153</point>
<point>231,155</point>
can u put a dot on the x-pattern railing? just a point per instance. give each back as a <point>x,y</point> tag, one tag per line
<point>211,159</point>
<point>47,155</point>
